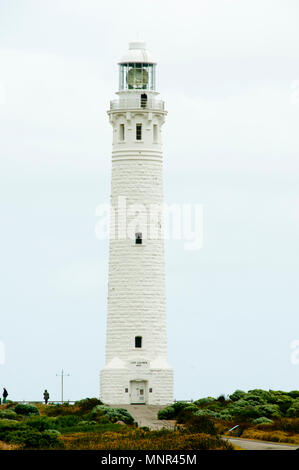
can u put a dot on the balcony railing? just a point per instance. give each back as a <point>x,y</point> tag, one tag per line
<point>137,103</point>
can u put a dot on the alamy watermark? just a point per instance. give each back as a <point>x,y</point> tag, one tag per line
<point>152,221</point>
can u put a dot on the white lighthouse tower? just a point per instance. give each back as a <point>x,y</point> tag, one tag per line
<point>137,369</point>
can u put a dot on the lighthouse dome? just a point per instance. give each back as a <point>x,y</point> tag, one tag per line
<point>137,53</point>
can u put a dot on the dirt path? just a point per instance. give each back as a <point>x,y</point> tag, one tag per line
<point>146,415</point>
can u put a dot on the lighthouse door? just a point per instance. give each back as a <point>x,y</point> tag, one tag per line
<point>137,392</point>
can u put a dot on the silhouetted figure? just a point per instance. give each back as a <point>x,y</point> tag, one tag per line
<point>4,395</point>
<point>46,396</point>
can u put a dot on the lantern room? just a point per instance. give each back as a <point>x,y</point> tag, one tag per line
<point>137,69</point>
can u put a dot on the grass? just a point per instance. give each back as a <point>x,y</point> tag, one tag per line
<point>5,446</point>
<point>273,436</point>
<point>144,440</point>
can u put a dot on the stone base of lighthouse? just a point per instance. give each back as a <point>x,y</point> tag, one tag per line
<point>138,382</point>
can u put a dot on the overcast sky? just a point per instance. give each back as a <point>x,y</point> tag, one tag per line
<point>228,71</point>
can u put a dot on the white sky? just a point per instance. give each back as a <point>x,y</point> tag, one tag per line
<point>229,73</point>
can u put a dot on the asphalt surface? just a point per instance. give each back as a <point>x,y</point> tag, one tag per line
<point>249,444</point>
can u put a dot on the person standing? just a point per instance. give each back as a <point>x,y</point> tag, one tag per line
<point>4,395</point>
<point>46,396</point>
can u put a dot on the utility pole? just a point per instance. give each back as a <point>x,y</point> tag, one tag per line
<point>62,375</point>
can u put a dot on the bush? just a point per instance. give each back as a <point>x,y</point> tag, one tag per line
<point>191,408</point>
<point>114,414</point>
<point>221,399</point>
<point>67,421</point>
<point>293,411</point>
<point>204,401</point>
<point>40,423</point>
<point>26,410</point>
<point>201,424</point>
<point>31,439</point>
<point>167,413</point>
<point>206,412</point>
<point>8,425</point>
<point>269,411</point>
<point>87,404</point>
<point>262,420</point>
<point>237,395</point>
<point>8,414</point>
<point>225,415</point>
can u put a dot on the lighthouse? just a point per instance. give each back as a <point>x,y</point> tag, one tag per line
<point>136,370</point>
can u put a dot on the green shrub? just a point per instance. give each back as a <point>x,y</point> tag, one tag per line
<point>191,408</point>
<point>294,394</point>
<point>244,409</point>
<point>9,424</point>
<point>67,421</point>
<point>293,411</point>
<point>40,423</point>
<point>180,405</point>
<point>114,414</point>
<point>262,420</point>
<point>31,439</point>
<point>269,411</point>
<point>253,399</point>
<point>237,395</point>
<point>221,399</point>
<point>207,412</point>
<point>8,414</point>
<point>87,404</point>
<point>167,413</point>
<point>225,415</point>
<point>26,410</point>
<point>250,410</point>
<point>204,401</point>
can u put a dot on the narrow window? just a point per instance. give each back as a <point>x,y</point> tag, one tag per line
<point>122,132</point>
<point>138,341</point>
<point>155,133</point>
<point>138,238</point>
<point>151,390</point>
<point>138,131</point>
<point>126,390</point>
<point>143,100</point>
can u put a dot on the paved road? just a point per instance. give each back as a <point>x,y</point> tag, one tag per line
<point>248,444</point>
<point>146,415</point>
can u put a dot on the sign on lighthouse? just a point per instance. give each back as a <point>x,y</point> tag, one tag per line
<point>137,369</point>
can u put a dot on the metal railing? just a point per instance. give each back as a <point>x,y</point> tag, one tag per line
<point>137,103</point>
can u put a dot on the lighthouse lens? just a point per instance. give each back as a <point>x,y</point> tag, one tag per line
<point>137,78</point>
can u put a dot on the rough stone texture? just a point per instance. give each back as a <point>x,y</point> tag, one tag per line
<point>136,289</point>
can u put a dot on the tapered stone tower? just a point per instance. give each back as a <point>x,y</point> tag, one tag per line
<point>136,369</point>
